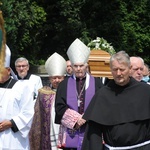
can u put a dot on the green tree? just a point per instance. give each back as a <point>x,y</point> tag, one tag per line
<point>125,24</point>
<point>135,27</point>
<point>64,24</point>
<point>24,21</point>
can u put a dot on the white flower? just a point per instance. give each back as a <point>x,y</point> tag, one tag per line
<point>97,45</point>
<point>100,43</point>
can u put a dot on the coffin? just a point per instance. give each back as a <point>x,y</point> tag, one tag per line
<point>99,64</point>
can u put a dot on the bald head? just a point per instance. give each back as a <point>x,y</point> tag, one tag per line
<point>137,66</point>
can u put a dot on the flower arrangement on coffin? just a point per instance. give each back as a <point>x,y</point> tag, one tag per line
<point>101,43</point>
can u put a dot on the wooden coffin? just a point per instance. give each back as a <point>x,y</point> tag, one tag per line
<point>99,64</point>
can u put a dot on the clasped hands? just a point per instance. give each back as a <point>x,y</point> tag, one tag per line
<point>79,123</point>
<point>5,125</point>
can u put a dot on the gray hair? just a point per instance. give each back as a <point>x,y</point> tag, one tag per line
<point>132,58</point>
<point>20,59</point>
<point>120,56</point>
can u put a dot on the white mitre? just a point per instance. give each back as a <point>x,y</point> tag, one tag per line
<point>78,52</point>
<point>7,56</point>
<point>56,65</point>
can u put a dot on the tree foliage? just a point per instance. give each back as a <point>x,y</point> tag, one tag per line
<point>24,21</point>
<point>135,35</point>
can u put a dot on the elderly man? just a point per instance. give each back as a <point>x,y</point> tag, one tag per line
<point>44,132</point>
<point>22,68</point>
<point>16,109</point>
<point>73,96</point>
<point>119,113</point>
<point>137,67</point>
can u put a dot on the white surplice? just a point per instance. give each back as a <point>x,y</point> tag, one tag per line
<point>36,83</point>
<point>17,104</point>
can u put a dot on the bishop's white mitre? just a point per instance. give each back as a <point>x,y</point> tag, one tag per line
<point>56,65</point>
<point>78,52</point>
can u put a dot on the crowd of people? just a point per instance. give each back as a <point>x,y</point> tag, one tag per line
<point>77,111</point>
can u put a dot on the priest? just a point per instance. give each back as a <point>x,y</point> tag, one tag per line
<point>16,109</point>
<point>119,113</point>
<point>44,132</point>
<point>73,96</point>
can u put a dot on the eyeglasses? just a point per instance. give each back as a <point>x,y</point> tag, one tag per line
<point>23,66</point>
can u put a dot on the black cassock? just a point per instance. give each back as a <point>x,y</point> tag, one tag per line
<point>121,114</point>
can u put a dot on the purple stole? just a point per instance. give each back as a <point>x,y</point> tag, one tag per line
<point>72,96</point>
<point>75,138</point>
